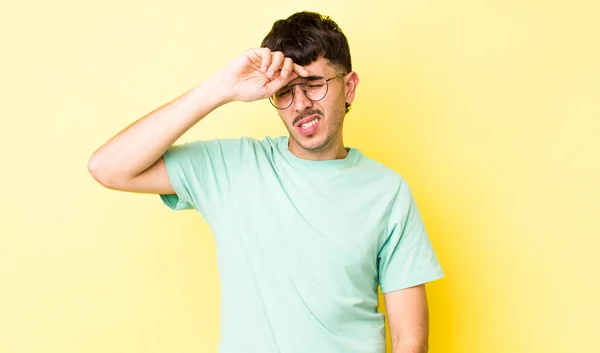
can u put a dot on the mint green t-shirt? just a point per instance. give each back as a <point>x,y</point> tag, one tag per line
<point>302,246</point>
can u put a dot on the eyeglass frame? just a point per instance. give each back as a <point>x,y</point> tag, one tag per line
<point>304,91</point>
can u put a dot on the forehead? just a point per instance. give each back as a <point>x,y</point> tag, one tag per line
<point>320,67</point>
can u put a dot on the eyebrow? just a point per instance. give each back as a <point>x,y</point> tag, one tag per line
<point>309,78</point>
<point>300,79</point>
<point>313,78</point>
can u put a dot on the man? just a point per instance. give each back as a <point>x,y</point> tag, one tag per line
<point>306,229</point>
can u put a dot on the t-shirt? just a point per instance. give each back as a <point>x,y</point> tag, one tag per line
<point>302,245</point>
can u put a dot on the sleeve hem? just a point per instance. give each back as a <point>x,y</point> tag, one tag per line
<point>422,278</point>
<point>177,201</point>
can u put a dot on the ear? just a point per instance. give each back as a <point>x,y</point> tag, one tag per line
<point>351,81</point>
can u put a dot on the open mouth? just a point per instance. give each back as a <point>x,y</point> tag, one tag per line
<point>309,125</point>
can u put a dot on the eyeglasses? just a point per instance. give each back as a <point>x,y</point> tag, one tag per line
<point>314,87</point>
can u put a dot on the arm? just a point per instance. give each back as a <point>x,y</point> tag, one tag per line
<point>408,319</point>
<point>132,159</point>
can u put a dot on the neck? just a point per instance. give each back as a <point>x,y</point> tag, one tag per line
<point>334,150</point>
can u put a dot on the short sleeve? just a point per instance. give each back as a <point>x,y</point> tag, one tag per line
<point>202,173</point>
<point>407,257</point>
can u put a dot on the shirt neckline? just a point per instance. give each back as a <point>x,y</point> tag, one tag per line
<point>317,165</point>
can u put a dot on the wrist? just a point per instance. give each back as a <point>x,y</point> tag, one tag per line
<point>203,98</point>
<point>218,89</point>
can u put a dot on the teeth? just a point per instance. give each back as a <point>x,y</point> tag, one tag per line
<point>309,124</point>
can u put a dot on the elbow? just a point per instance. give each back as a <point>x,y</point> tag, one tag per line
<point>95,169</point>
<point>410,346</point>
<point>101,172</point>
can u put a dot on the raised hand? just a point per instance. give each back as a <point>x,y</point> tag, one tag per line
<point>258,73</point>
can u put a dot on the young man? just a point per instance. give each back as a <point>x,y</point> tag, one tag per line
<point>306,229</point>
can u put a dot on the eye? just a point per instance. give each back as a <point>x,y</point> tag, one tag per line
<point>313,87</point>
<point>283,93</point>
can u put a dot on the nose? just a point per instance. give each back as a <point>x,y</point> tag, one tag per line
<point>301,102</point>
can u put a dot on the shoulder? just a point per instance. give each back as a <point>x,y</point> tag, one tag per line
<point>227,145</point>
<point>379,172</point>
<point>252,143</point>
<point>245,150</point>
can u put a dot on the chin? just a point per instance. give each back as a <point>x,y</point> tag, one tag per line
<point>312,143</point>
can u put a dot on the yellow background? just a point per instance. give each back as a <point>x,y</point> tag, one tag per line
<point>490,109</point>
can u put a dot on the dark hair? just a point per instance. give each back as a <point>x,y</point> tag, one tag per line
<point>304,36</point>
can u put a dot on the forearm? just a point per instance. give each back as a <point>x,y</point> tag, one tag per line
<point>410,347</point>
<point>408,319</point>
<point>141,144</point>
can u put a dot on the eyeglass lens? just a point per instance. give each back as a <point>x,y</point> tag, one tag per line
<point>314,88</point>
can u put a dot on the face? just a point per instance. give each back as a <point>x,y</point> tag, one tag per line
<point>316,126</point>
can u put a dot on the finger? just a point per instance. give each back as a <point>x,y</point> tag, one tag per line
<point>279,82</point>
<point>288,67</point>
<point>301,71</point>
<point>265,53</point>
<point>276,62</point>
<point>253,55</point>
